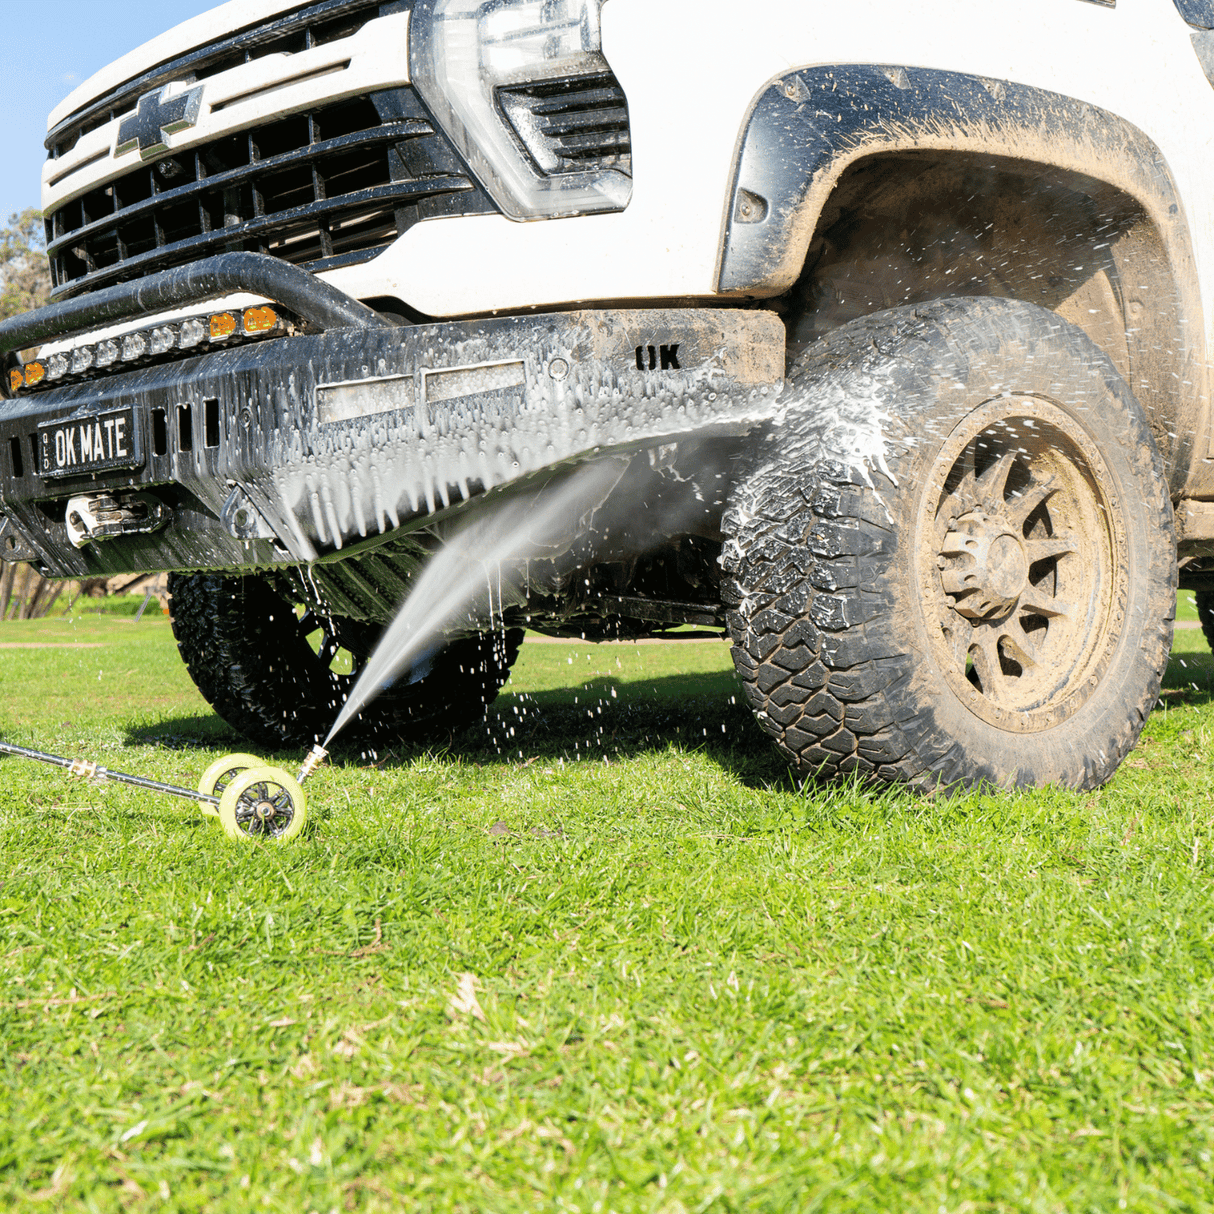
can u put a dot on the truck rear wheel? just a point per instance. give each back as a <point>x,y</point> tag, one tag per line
<point>251,654</point>
<point>952,564</point>
<point>1205,614</point>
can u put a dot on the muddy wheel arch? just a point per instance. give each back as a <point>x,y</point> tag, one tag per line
<point>812,133</point>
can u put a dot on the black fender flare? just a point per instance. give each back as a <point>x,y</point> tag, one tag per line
<point>806,127</point>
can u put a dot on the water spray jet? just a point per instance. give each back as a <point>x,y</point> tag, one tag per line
<point>477,573</point>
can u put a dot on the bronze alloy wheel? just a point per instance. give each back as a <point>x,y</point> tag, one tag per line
<point>1021,563</point>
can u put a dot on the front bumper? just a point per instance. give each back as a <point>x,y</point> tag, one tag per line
<point>303,447</point>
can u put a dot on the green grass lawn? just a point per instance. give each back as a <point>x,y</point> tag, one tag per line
<point>602,956</point>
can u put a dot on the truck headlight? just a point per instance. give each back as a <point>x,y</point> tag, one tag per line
<point>522,89</point>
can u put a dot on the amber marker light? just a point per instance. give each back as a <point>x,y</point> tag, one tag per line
<point>259,320</point>
<point>223,324</point>
<point>35,373</point>
<point>16,380</point>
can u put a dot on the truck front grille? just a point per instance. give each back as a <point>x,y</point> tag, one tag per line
<point>325,187</point>
<point>321,189</point>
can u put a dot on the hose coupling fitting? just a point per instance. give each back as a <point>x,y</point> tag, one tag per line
<point>316,756</point>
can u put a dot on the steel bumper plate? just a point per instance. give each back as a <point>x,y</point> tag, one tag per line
<point>301,447</point>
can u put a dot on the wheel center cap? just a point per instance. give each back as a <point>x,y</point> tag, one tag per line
<point>982,566</point>
<point>1007,569</point>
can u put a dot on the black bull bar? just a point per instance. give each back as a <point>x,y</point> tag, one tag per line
<point>314,445</point>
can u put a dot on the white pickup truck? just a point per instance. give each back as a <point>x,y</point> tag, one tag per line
<point>889,322</point>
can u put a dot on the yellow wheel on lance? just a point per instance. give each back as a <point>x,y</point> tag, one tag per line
<point>263,803</point>
<point>220,774</point>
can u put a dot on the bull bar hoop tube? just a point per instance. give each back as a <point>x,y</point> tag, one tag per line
<point>256,273</point>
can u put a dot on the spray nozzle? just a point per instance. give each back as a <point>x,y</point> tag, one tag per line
<point>316,756</point>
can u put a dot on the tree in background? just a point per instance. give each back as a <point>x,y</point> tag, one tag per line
<point>25,283</point>
<point>25,273</point>
<point>25,594</point>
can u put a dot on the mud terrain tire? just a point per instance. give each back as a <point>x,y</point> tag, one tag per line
<point>952,563</point>
<point>249,655</point>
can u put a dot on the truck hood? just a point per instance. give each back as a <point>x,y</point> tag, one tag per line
<point>206,27</point>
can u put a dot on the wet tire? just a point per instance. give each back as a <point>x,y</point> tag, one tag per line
<point>248,652</point>
<point>952,564</point>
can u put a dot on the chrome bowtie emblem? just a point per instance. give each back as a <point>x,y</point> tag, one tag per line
<point>156,118</point>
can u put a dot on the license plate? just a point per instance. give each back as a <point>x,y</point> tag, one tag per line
<point>89,444</point>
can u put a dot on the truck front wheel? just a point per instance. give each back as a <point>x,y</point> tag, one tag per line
<point>952,563</point>
<point>250,653</point>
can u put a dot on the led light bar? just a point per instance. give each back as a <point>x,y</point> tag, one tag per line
<point>218,328</point>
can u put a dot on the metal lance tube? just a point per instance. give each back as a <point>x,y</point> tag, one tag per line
<point>316,756</point>
<point>89,769</point>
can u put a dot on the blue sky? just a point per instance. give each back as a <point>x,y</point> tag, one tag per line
<point>44,62</point>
